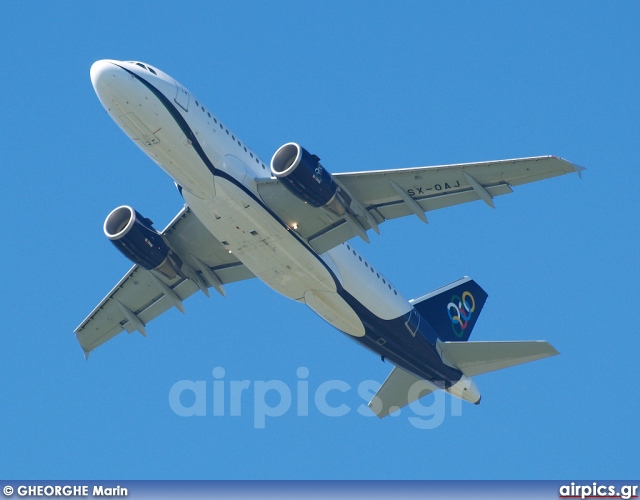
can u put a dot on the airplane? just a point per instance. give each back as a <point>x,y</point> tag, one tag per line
<point>290,224</point>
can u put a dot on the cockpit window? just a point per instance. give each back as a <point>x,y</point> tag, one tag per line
<point>148,68</point>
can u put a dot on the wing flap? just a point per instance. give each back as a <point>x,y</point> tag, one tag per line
<point>476,358</point>
<point>398,208</point>
<point>398,390</point>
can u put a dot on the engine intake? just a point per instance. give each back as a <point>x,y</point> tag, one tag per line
<point>302,174</point>
<point>138,241</point>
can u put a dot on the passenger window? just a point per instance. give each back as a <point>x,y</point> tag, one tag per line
<point>208,114</point>
<point>360,258</point>
<point>245,150</point>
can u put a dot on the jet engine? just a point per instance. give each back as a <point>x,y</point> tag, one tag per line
<point>139,242</point>
<point>301,173</point>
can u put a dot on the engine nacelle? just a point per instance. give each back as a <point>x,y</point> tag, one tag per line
<point>135,237</point>
<point>302,174</point>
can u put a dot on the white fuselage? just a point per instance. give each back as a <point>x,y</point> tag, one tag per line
<point>159,115</point>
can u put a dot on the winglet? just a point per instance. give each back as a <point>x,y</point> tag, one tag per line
<point>578,169</point>
<point>86,354</point>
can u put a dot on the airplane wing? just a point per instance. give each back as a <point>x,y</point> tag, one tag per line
<point>389,194</point>
<point>141,296</point>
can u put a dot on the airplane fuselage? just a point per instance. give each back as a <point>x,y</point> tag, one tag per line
<point>216,174</point>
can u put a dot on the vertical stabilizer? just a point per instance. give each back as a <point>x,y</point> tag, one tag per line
<point>452,310</point>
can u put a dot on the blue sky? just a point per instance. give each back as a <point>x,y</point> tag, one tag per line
<point>364,85</point>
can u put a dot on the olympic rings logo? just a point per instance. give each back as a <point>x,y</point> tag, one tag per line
<point>460,311</point>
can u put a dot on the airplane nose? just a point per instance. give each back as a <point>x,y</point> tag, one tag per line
<point>103,73</point>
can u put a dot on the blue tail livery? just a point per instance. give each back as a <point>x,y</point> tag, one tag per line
<point>452,310</point>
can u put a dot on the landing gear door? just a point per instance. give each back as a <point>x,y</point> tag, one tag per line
<point>182,97</point>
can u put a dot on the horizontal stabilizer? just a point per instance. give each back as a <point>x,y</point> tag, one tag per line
<point>475,358</point>
<point>400,389</point>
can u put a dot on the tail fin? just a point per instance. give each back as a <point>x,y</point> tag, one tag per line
<point>452,310</point>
